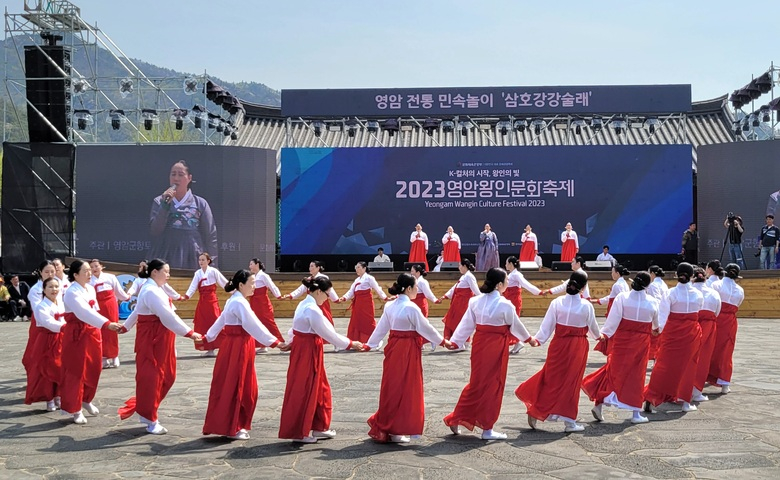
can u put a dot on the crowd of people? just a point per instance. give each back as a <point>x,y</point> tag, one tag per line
<point>73,336</point>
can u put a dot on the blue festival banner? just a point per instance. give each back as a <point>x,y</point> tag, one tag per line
<point>637,199</point>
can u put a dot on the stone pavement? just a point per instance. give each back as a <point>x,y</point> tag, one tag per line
<point>731,436</point>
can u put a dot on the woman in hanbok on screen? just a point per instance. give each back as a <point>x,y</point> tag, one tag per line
<point>182,225</point>
<point>487,252</point>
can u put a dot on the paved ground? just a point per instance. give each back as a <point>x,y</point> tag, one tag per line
<point>731,436</point>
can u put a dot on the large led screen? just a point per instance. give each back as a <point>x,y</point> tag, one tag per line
<point>637,199</point>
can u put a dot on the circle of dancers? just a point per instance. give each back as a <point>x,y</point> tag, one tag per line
<point>689,330</point>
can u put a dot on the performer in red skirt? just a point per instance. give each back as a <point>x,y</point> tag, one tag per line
<point>316,268</point>
<point>155,356</point>
<point>43,376</point>
<point>576,266</point>
<point>81,344</point>
<point>620,286</point>
<point>714,272</point>
<point>530,247</point>
<point>233,395</point>
<point>424,292</point>
<point>451,243</point>
<point>205,281</point>
<point>460,293</point>
<point>678,347</point>
<point>570,244</point>
<point>553,393</point>
<point>621,381</point>
<point>307,407</point>
<point>260,302</point>
<point>108,289</point>
<point>361,321</point>
<point>516,282</point>
<point>418,252</point>
<point>731,297</point>
<point>34,297</point>
<point>495,321</point>
<point>658,290</point>
<point>709,312</point>
<point>401,412</point>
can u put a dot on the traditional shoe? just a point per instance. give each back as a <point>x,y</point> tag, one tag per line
<point>724,389</point>
<point>325,434</point>
<point>637,418</point>
<point>156,429</point>
<point>305,440</point>
<point>262,350</point>
<point>532,422</point>
<point>210,353</point>
<point>491,435</point>
<point>399,439</point>
<point>700,397</point>
<point>25,318</point>
<point>116,362</point>
<point>516,348</point>
<point>597,414</point>
<point>79,418</point>
<point>647,407</point>
<point>51,406</point>
<point>90,408</point>
<point>688,407</point>
<point>573,427</point>
<point>240,436</point>
<point>455,429</point>
<point>336,350</point>
<point>57,402</point>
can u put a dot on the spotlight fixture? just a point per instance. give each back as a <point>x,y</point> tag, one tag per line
<point>335,126</point>
<point>227,130</point>
<point>596,123</point>
<point>126,87</point>
<point>619,124</point>
<point>317,125</point>
<point>538,125</point>
<point>213,90</point>
<point>561,125</point>
<point>577,125</point>
<point>651,123</point>
<point>214,121</point>
<point>83,118</point>
<point>464,126</point>
<point>233,135</point>
<point>149,117</point>
<point>504,126</point>
<point>752,90</point>
<point>372,126</point>
<point>116,118</point>
<point>190,86</point>
<point>736,126</point>
<point>447,126</point>
<point>764,82</point>
<point>391,126</point>
<point>352,127</point>
<point>521,125</point>
<point>755,121</point>
<point>430,125</point>
<point>763,112</point>
<point>746,124</point>
<point>178,117</point>
<point>80,87</point>
<point>198,114</point>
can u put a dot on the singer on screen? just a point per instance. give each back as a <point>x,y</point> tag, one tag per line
<point>182,225</point>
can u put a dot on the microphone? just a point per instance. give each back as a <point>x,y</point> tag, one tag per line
<point>168,198</point>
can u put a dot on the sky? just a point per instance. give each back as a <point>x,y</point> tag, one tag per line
<point>289,44</point>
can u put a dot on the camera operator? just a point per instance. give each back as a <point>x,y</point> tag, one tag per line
<point>770,241</point>
<point>734,225</point>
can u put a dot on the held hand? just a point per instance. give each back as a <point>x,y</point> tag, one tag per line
<point>449,345</point>
<point>594,301</point>
<point>197,337</point>
<point>184,298</point>
<point>390,298</point>
<point>656,332</point>
<point>285,347</point>
<point>357,346</point>
<point>534,342</point>
<point>602,338</point>
<point>114,327</point>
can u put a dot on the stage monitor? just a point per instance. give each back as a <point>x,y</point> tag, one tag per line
<point>450,266</point>
<point>381,266</point>
<point>529,266</point>
<point>595,265</point>
<point>561,266</point>
<point>636,198</point>
<point>408,265</point>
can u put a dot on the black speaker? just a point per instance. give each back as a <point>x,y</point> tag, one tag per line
<point>561,266</point>
<point>450,266</point>
<point>408,265</point>
<point>48,91</point>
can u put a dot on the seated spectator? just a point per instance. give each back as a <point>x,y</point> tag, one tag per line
<point>5,303</point>
<point>604,256</point>
<point>19,304</point>
<point>381,257</point>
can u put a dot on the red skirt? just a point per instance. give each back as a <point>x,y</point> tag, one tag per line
<point>568,250</point>
<point>677,349</point>
<point>109,309</point>
<point>155,368</point>
<point>458,306</point>
<point>626,368</point>
<point>605,346</point>
<point>514,295</point>
<point>479,404</point>
<point>206,314</point>
<point>451,252</point>
<point>708,336</point>
<point>422,302</point>
<point>527,252</point>
<point>81,363</point>
<point>654,341</point>
<point>401,399</point>
<point>721,364</point>
<point>325,307</point>
<point>27,358</point>
<point>417,253</point>
<point>264,310</point>
<point>45,371</point>
<point>555,389</point>
<point>361,321</point>
<point>233,395</point>
<point>307,402</point>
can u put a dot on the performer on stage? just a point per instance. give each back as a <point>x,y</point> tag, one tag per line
<point>418,252</point>
<point>576,265</point>
<point>261,304</point>
<point>658,290</point>
<point>316,268</point>
<point>714,272</point>
<point>554,391</point>
<point>307,406</point>
<point>361,321</point>
<point>618,272</point>
<point>45,370</point>
<point>108,289</point>
<point>155,356</point>
<point>35,296</point>
<point>460,293</point>
<point>205,282</point>
<point>530,247</point>
<point>495,321</point>
<point>401,412</point>
<point>439,261</point>
<point>451,243</point>
<point>59,273</point>
<point>487,252</point>
<point>139,282</point>
<point>516,282</point>
<point>233,395</point>
<point>731,297</point>
<point>707,321</point>
<point>678,346</point>
<point>571,244</point>
<point>424,292</point>
<point>81,344</point>
<point>621,381</point>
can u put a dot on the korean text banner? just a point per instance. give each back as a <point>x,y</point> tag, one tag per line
<point>637,199</point>
<point>394,102</point>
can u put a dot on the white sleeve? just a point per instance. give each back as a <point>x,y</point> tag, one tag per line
<point>217,327</point>
<point>425,329</point>
<point>332,295</point>
<point>382,327</point>
<point>133,288</point>
<point>131,319</point>
<point>425,236</point>
<point>536,243</point>
<point>351,292</point>
<point>372,281</point>
<point>559,288</point>
<point>272,287</point>
<point>457,238</point>
<point>413,237</point>
<point>426,291</point>
<point>655,315</point>
<point>43,318</point>
<point>593,326</point>
<point>613,319</point>
<point>120,294</point>
<point>444,239</point>
<point>324,329</point>
<point>576,240</point>
<point>298,292</point>
<point>451,291</point>
<point>193,284</point>
<point>517,328</point>
<point>80,307</point>
<point>172,294</point>
<point>34,297</point>
<point>221,280</point>
<point>465,328</point>
<point>547,326</point>
<point>252,326</point>
<point>563,236</point>
<point>603,300</point>
<point>472,281</point>
<point>162,308</point>
<point>663,311</point>
<point>529,286</point>
<point>523,237</point>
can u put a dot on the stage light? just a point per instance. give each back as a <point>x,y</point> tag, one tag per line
<point>391,126</point>
<point>736,100</point>
<point>764,82</point>
<point>213,90</point>
<point>464,127</point>
<point>561,125</point>
<point>736,126</point>
<point>746,124</point>
<point>149,116</point>
<point>317,125</point>
<point>538,125</point>
<point>83,118</point>
<point>372,126</point>
<point>577,125</point>
<point>178,117</point>
<point>619,124</point>
<point>126,87</point>
<point>214,121</point>
<point>190,86</point>
<point>80,87</point>
<point>504,126</point>
<point>198,114</point>
<point>227,130</point>
<point>234,135</point>
<point>335,127</point>
<point>352,127</point>
<point>520,125</point>
<point>430,125</point>
<point>753,90</point>
<point>596,123</point>
<point>755,121</point>
<point>651,123</point>
<point>447,126</point>
<point>116,118</point>
<point>764,113</point>
<point>774,104</point>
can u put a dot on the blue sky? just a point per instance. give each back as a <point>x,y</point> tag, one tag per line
<point>405,43</point>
